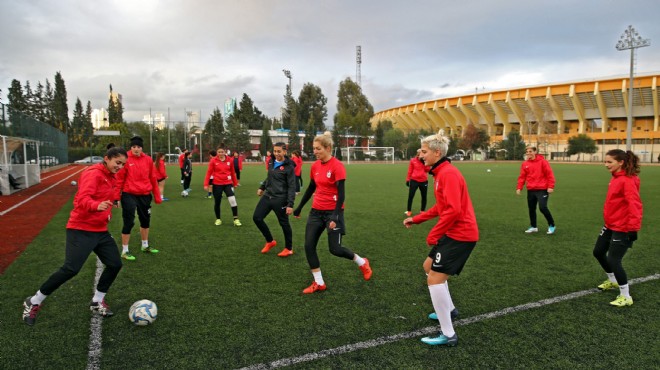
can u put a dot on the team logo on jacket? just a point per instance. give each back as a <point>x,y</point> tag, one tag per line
<point>329,174</point>
<point>281,168</point>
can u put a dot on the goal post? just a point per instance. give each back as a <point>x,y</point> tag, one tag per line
<point>369,153</point>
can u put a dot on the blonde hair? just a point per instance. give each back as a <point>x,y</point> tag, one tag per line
<point>325,139</point>
<point>437,142</point>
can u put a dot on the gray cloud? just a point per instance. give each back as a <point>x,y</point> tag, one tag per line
<point>195,54</point>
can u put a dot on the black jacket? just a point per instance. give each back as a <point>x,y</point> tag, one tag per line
<point>281,181</point>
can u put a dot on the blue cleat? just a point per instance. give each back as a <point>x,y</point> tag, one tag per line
<point>441,340</point>
<point>551,230</point>
<point>453,314</point>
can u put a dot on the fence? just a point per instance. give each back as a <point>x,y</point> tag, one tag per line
<point>52,143</point>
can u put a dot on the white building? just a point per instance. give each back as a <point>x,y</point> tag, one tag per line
<point>99,119</point>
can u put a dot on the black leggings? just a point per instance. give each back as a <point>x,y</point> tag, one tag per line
<point>299,183</point>
<point>79,245</point>
<point>277,205</point>
<point>412,189</point>
<point>609,250</point>
<point>217,197</point>
<point>317,223</point>
<point>541,197</point>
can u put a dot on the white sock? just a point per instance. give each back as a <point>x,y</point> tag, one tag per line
<point>145,243</point>
<point>124,248</point>
<point>318,277</point>
<point>162,196</point>
<point>38,297</point>
<point>610,277</point>
<point>442,303</point>
<point>98,296</point>
<point>451,302</point>
<point>359,260</point>
<point>623,290</point>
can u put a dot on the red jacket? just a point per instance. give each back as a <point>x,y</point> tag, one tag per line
<point>453,207</point>
<point>97,184</point>
<point>623,206</point>
<point>161,173</point>
<point>537,173</point>
<point>417,171</point>
<point>222,171</point>
<point>138,177</point>
<point>299,163</point>
<point>182,158</point>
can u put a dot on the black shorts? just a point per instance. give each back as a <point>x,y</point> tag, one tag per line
<point>449,255</point>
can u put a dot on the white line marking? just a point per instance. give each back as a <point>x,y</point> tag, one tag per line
<point>95,337</point>
<point>37,194</point>
<point>54,173</point>
<point>430,330</point>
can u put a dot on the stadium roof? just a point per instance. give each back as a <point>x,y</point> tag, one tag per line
<point>500,110</point>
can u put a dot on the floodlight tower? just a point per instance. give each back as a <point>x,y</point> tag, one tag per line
<point>358,63</point>
<point>287,74</point>
<point>630,39</point>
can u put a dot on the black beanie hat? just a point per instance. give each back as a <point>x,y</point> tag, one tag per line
<point>136,140</point>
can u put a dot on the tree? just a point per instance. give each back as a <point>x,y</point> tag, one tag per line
<point>248,114</point>
<point>290,118</point>
<point>59,105</point>
<point>215,128</point>
<point>115,109</point>
<point>474,138</point>
<point>513,146</point>
<point>265,142</point>
<point>88,127</point>
<point>312,113</point>
<point>237,136</point>
<point>581,144</point>
<point>76,137</point>
<point>396,139</point>
<point>353,109</point>
<point>17,105</point>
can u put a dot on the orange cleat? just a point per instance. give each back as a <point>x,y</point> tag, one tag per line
<point>314,288</point>
<point>366,270</point>
<point>285,253</point>
<point>268,246</point>
<point>407,213</point>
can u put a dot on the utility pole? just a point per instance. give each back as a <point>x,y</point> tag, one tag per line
<point>630,39</point>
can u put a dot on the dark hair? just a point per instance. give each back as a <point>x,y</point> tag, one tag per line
<point>110,146</point>
<point>280,144</point>
<point>116,151</point>
<point>221,146</point>
<point>296,153</point>
<point>213,153</point>
<point>533,148</point>
<point>630,160</point>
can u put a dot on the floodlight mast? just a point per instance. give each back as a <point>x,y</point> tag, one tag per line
<point>630,39</point>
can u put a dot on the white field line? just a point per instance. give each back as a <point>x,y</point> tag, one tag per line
<point>429,330</point>
<point>95,337</point>
<point>58,173</point>
<point>39,193</point>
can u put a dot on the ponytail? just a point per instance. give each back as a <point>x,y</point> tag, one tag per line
<point>630,160</point>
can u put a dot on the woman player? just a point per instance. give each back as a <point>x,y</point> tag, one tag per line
<point>87,232</point>
<point>328,176</point>
<point>418,178</point>
<point>221,167</point>
<point>297,159</point>
<point>623,219</point>
<point>161,173</point>
<point>277,193</point>
<point>453,237</point>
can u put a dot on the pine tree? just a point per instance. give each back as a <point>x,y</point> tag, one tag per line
<point>76,132</point>
<point>59,105</point>
<point>215,128</point>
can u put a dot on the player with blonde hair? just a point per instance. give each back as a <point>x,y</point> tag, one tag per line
<point>327,183</point>
<point>453,237</point>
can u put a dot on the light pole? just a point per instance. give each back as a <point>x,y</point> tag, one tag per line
<point>630,39</point>
<point>287,74</point>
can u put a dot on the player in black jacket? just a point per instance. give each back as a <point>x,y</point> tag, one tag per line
<point>277,194</point>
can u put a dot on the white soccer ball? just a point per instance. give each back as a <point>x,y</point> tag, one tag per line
<point>143,312</point>
<point>74,183</point>
<point>488,170</point>
<point>184,193</point>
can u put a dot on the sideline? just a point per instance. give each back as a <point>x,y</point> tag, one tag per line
<point>431,329</point>
<point>37,194</point>
<point>95,337</point>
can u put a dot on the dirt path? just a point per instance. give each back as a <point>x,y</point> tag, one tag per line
<point>24,214</point>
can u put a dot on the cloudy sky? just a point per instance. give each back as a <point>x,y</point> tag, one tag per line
<point>195,54</point>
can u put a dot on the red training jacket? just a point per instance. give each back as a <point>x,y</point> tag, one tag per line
<point>299,163</point>
<point>97,184</point>
<point>623,207</point>
<point>537,173</point>
<point>161,173</point>
<point>453,207</point>
<point>417,171</point>
<point>222,171</point>
<point>138,177</point>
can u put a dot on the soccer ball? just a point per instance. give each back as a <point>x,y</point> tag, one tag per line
<point>488,170</point>
<point>143,312</point>
<point>74,183</point>
<point>184,193</point>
